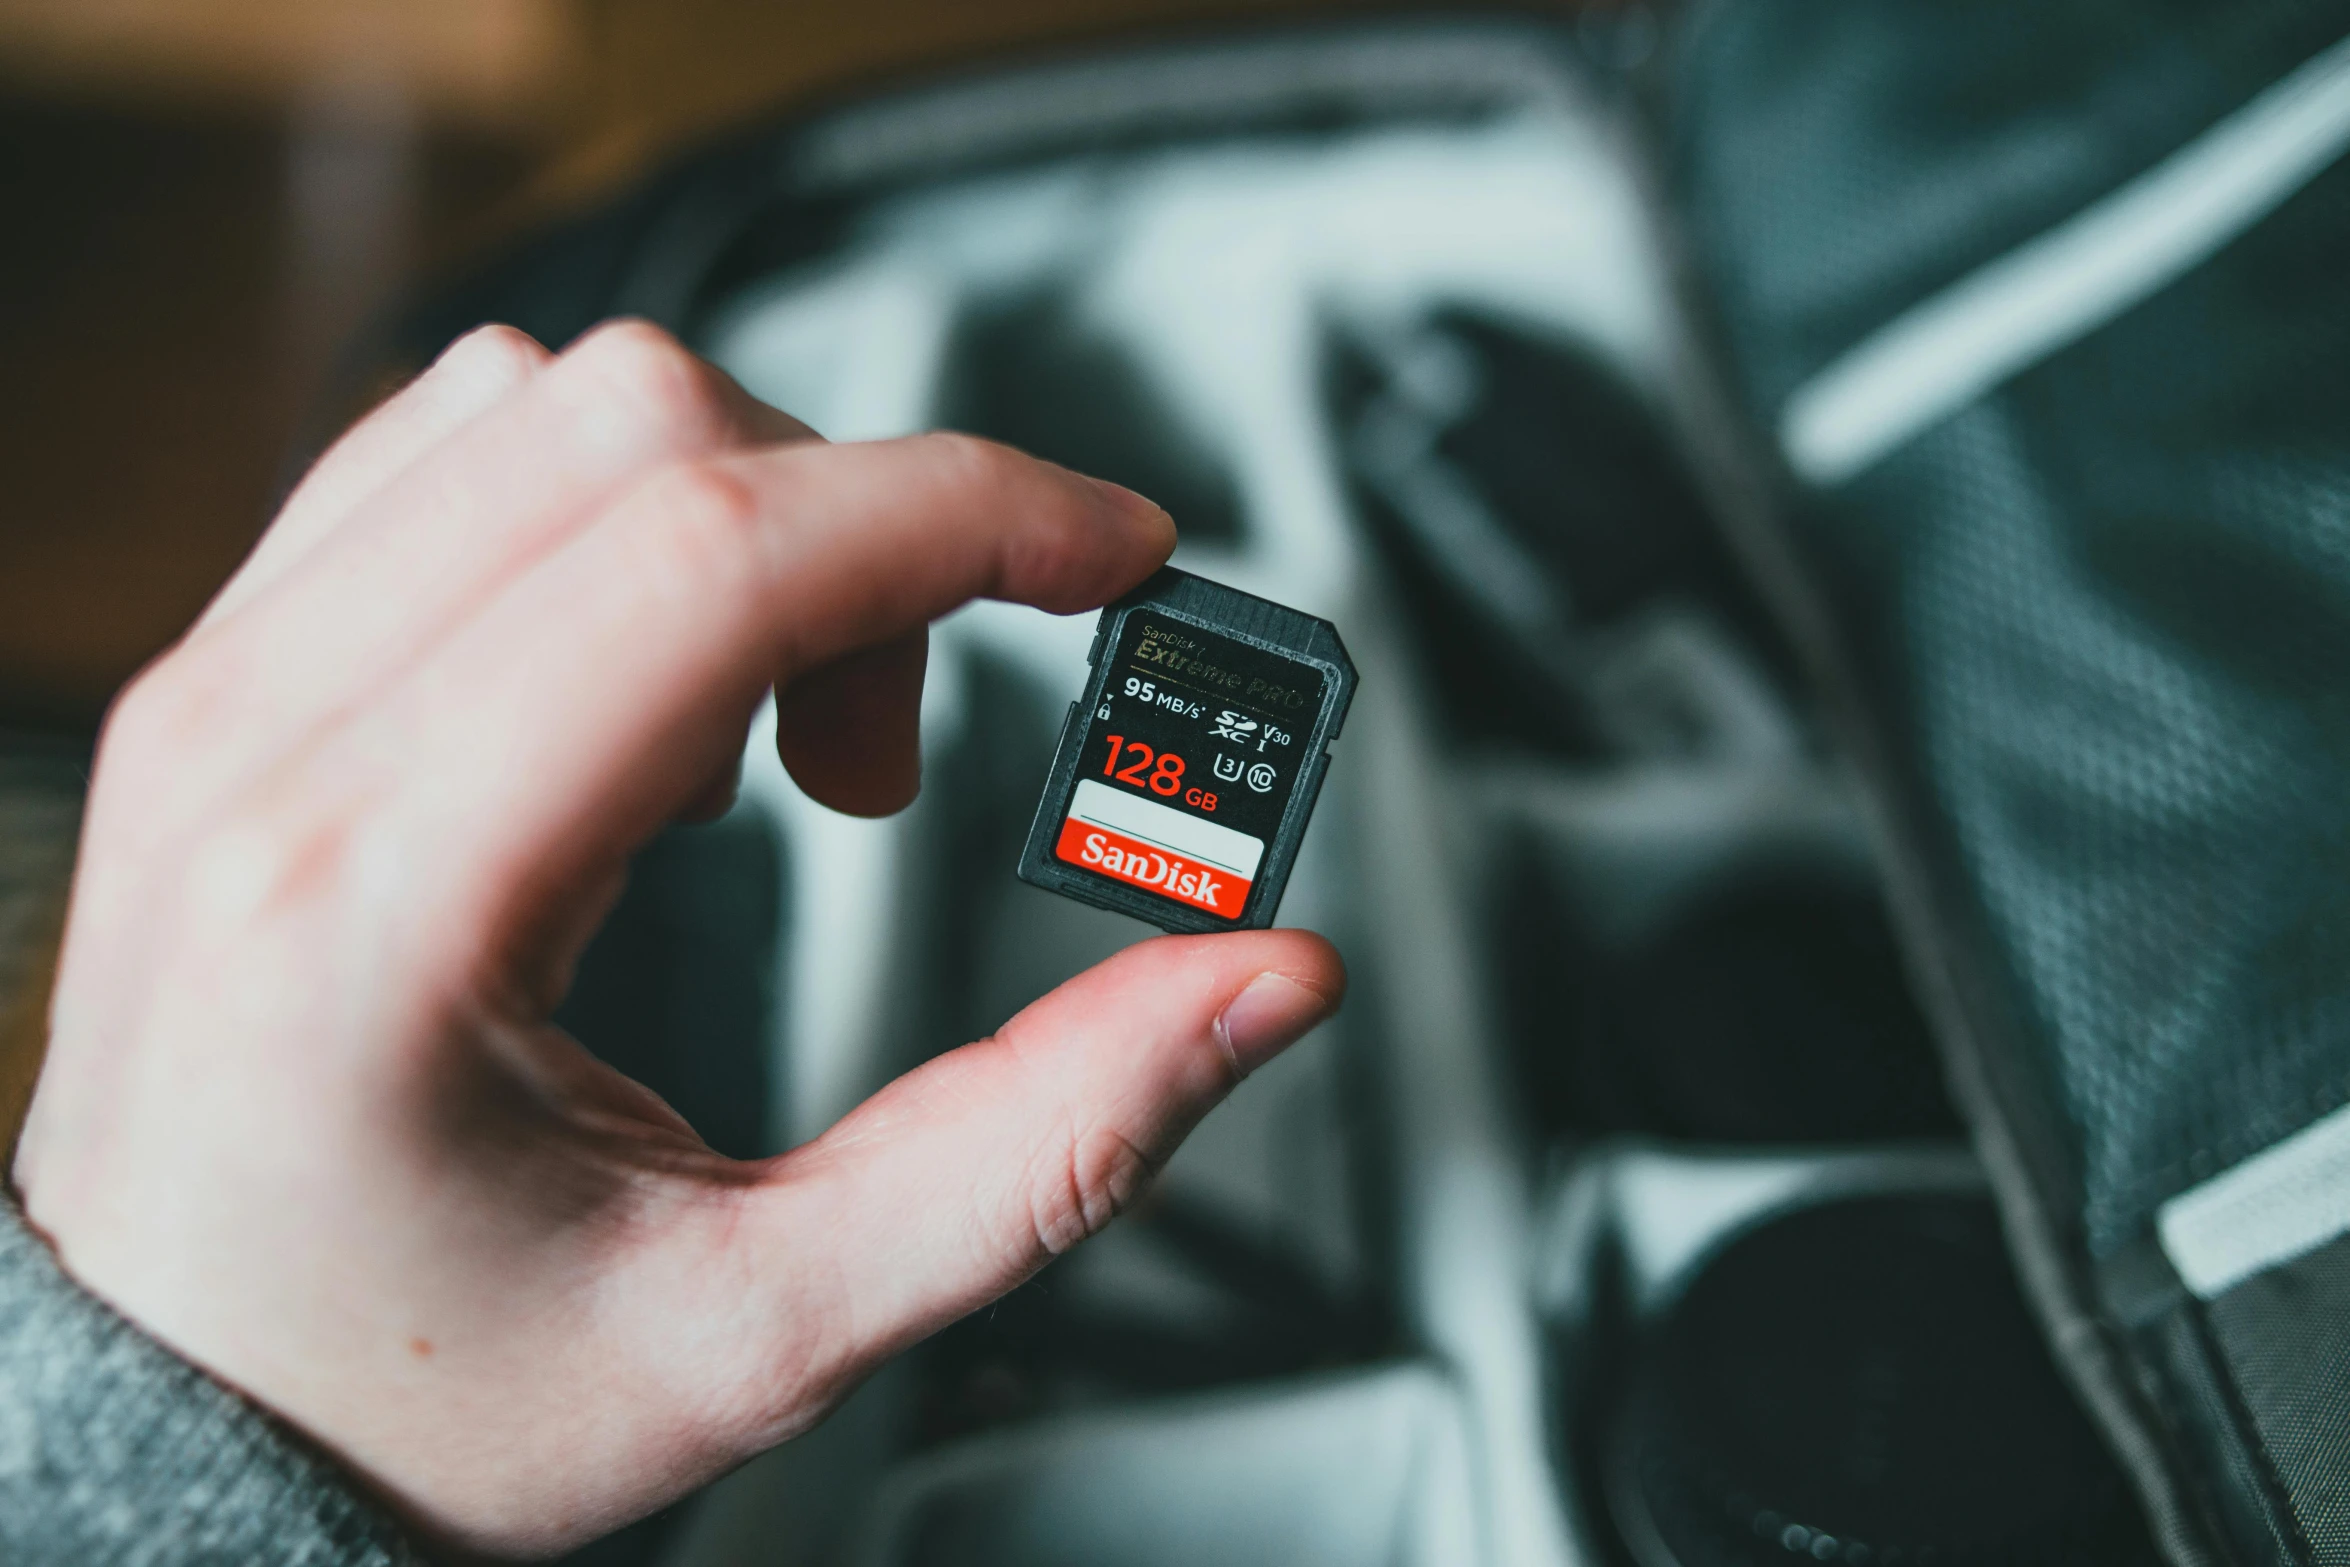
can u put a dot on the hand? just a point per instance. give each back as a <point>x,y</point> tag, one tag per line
<point>303,1116</point>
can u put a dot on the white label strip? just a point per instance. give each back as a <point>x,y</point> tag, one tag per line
<point>1099,805</point>
<point>1943,354</point>
<point>2289,1199</point>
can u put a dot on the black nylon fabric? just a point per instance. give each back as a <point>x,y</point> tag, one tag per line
<point>2097,626</point>
<point>2112,601</point>
<point>1836,162</point>
<point>2220,1454</point>
<point>2281,1333</point>
<point>2115,608</point>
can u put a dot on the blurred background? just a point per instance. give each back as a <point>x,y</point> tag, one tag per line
<point>207,199</point>
<point>1596,371</point>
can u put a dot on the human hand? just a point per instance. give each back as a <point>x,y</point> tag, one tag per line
<point>303,1116</point>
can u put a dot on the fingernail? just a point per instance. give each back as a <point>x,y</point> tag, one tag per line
<point>1135,508</point>
<point>1266,1019</point>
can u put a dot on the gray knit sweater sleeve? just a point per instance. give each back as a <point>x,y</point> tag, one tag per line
<point>113,1450</point>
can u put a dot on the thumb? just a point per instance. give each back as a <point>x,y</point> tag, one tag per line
<point>965,1176</point>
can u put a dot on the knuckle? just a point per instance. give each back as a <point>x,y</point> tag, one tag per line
<point>630,346</point>
<point>134,721</point>
<point>154,752</point>
<point>1095,1176</point>
<point>493,355</point>
<point>235,902</point>
<point>1045,539</point>
<point>704,523</point>
<point>680,399</point>
<point>165,711</point>
<point>783,1387</point>
<point>246,866</point>
<point>309,841</point>
<point>971,461</point>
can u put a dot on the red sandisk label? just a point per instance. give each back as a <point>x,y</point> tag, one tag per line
<point>1130,860</point>
<point>1151,846</point>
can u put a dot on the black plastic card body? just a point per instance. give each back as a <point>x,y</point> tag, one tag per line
<point>1187,773</point>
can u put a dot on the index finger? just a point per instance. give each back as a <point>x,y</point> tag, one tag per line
<point>586,704</point>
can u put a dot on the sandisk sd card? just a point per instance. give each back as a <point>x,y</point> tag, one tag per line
<point>1186,775</point>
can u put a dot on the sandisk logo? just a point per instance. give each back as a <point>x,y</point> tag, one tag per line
<point>1162,850</point>
<point>1115,854</point>
<point>1150,868</point>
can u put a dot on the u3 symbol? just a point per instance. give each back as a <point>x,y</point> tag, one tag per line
<point>1227,769</point>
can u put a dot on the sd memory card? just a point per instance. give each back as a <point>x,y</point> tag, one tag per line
<point>1186,775</point>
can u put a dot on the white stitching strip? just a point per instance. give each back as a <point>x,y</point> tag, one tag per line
<point>2057,288</point>
<point>2283,1202</point>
